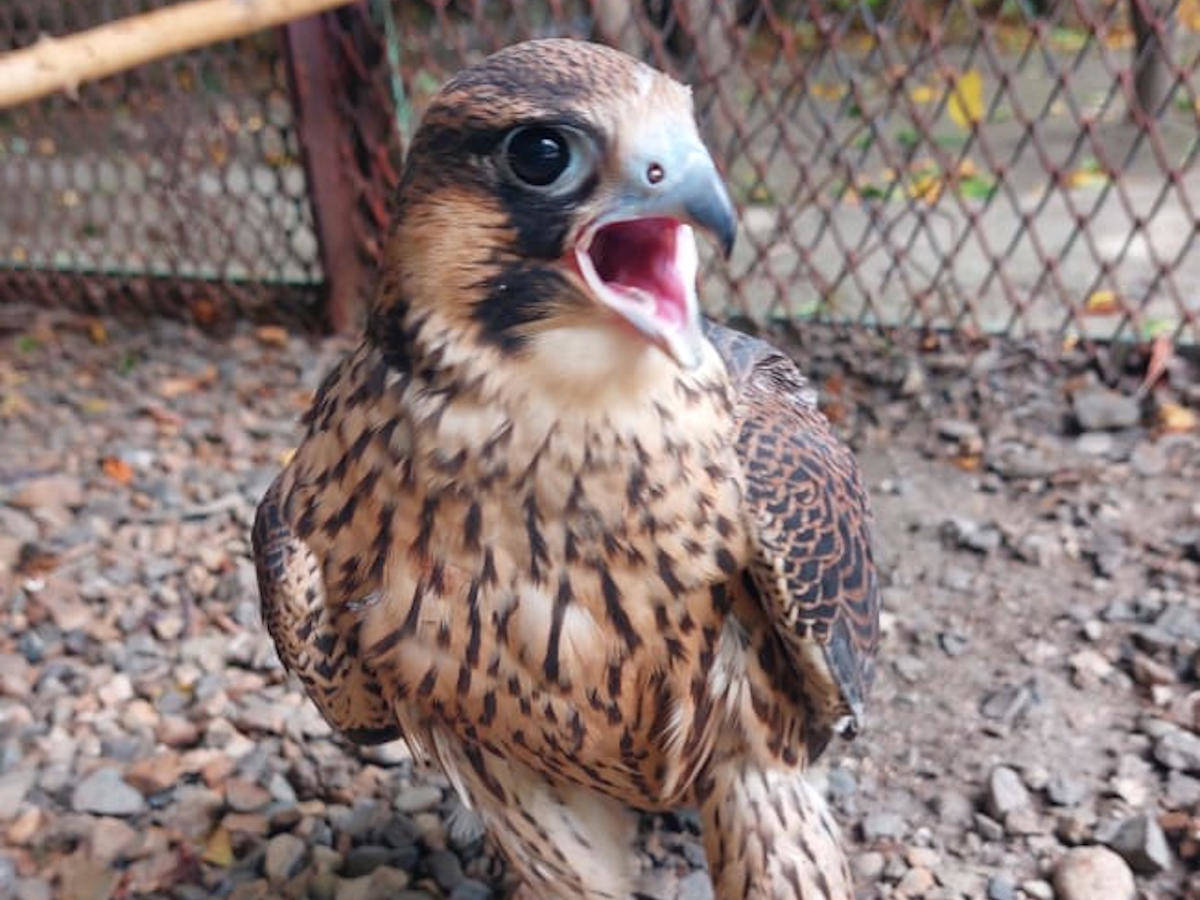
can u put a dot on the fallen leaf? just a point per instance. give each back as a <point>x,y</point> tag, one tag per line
<point>824,90</point>
<point>117,469</point>
<point>1174,418</point>
<point>1119,37</point>
<point>1161,351</point>
<point>1102,303</point>
<point>922,93</point>
<point>968,462</point>
<point>185,384</point>
<point>218,849</point>
<point>965,105</point>
<point>1089,174</point>
<point>272,336</point>
<point>205,311</point>
<point>285,456</point>
<point>97,332</point>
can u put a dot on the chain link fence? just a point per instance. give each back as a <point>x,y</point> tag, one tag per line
<point>992,166</point>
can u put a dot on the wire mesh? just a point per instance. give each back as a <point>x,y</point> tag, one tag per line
<point>1003,166</point>
<point>178,185</point>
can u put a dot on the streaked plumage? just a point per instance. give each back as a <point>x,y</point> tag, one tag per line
<point>583,550</point>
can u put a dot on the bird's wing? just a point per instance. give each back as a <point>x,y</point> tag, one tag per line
<point>315,639</point>
<point>810,525</point>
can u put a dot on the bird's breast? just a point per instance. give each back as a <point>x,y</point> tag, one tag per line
<point>562,598</point>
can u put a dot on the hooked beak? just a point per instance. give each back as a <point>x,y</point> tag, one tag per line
<point>639,257</point>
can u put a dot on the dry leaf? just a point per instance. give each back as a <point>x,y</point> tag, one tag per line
<point>922,93</point>
<point>1174,418</point>
<point>1085,176</point>
<point>1102,303</point>
<point>218,849</point>
<point>1161,351</point>
<point>825,90</point>
<point>205,311</point>
<point>272,336</point>
<point>968,462</point>
<point>285,456</point>
<point>965,105</point>
<point>185,384</point>
<point>117,469</point>
<point>97,332</point>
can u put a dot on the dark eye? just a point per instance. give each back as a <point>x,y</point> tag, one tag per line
<point>538,155</point>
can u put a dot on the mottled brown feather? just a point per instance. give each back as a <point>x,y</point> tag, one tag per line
<point>814,568</point>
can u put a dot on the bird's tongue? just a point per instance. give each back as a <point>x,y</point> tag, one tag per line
<point>638,260</point>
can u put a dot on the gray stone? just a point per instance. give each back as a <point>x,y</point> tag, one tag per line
<point>1093,873</point>
<point>1099,409</point>
<point>477,890</point>
<point>1183,791</point>
<point>32,889</point>
<point>869,866</point>
<point>881,825</point>
<point>982,537</point>
<point>695,886</point>
<point>1178,749</point>
<point>1037,889</point>
<point>1142,844</point>
<point>1005,792</point>
<point>953,643</point>
<point>417,798</point>
<point>445,869</point>
<point>285,853</point>
<point>953,808</point>
<point>14,785</point>
<point>1063,790</point>
<point>988,828</point>
<point>1001,887</point>
<point>105,792</point>
<point>365,859</point>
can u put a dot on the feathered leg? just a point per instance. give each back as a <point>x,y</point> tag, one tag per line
<point>769,835</point>
<point>561,840</point>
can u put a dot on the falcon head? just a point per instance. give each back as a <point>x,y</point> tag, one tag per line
<point>548,208</point>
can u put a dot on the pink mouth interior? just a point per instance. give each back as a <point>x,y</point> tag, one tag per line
<point>637,259</point>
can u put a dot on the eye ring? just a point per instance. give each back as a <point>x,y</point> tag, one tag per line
<point>550,159</point>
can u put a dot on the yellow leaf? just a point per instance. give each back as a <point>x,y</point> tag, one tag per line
<point>1175,418</point>
<point>218,849</point>
<point>1102,303</point>
<point>1084,177</point>
<point>826,91</point>
<point>1119,37</point>
<point>922,93</point>
<point>927,187</point>
<point>966,99</point>
<point>272,336</point>
<point>285,456</point>
<point>97,332</point>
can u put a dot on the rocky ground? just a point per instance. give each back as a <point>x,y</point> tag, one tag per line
<point>1034,732</point>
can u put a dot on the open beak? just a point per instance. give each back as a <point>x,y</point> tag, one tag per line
<point>639,257</point>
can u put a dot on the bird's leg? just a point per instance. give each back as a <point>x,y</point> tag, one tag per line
<point>560,839</point>
<point>769,834</point>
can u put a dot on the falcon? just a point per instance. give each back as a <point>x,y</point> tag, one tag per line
<point>581,548</point>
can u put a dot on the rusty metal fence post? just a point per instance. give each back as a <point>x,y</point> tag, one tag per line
<point>317,84</point>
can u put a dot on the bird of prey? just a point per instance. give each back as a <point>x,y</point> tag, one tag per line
<point>583,549</point>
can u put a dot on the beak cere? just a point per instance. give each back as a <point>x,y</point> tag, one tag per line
<point>639,257</point>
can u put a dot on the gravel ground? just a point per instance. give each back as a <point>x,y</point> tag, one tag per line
<point>1038,698</point>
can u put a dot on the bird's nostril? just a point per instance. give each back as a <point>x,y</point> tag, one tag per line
<point>655,173</point>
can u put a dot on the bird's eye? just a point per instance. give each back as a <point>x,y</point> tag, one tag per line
<point>546,158</point>
<point>538,156</point>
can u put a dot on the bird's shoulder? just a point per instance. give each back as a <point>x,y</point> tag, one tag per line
<point>810,524</point>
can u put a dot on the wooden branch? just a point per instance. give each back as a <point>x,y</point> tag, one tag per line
<point>62,64</point>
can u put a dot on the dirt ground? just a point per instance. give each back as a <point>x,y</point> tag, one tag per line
<point>1039,541</point>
